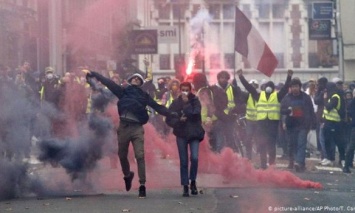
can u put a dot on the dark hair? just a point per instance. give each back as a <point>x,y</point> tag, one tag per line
<point>199,80</point>
<point>186,84</point>
<point>223,73</point>
<point>296,81</point>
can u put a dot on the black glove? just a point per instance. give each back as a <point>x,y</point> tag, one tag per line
<point>90,75</point>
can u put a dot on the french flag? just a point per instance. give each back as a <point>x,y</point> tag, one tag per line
<point>250,44</point>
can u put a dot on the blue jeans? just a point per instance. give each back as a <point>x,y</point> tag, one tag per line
<point>182,145</point>
<point>298,143</point>
<point>322,142</point>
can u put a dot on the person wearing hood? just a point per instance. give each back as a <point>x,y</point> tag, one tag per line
<point>133,115</point>
<point>297,119</point>
<point>333,114</point>
<point>268,116</point>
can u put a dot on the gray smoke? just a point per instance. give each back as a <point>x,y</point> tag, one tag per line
<point>78,156</point>
<point>22,118</point>
<point>17,114</point>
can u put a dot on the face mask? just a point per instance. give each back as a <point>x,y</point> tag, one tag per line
<point>161,85</point>
<point>49,76</point>
<point>185,93</point>
<point>268,89</point>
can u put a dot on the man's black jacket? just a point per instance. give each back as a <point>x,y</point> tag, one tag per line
<point>131,99</point>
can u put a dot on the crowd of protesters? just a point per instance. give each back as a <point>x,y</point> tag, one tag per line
<point>251,120</point>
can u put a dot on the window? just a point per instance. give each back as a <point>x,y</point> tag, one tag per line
<point>229,61</point>
<point>214,10</point>
<point>164,61</point>
<point>164,11</point>
<point>321,53</point>
<point>228,11</point>
<point>215,61</point>
<point>264,11</point>
<point>199,62</point>
<point>272,27</point>
<point>177,11</point>
<point>278,11</point>
<point>195,9</point>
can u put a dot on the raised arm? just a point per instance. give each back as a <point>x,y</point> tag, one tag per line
<point>284,90</point>
<point>111,85</point>
<point>255,94</point>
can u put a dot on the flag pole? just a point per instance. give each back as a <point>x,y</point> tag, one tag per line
<point>234,52</point>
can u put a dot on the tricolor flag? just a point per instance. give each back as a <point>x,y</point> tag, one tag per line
<point>250,44</point>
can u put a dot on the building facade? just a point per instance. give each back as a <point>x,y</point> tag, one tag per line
<point>67,34</point>
<point>283,24</point>
<point>18,32</point>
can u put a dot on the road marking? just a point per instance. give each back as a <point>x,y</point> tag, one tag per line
<point>326,168</point>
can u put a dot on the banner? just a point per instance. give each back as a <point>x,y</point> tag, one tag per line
<point>319,29</point>
<point>145,41</point>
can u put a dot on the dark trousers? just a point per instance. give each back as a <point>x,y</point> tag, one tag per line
<point>349,156</point>
<point>333,137</point>
<point>251,132</point>
<point>268,130</point>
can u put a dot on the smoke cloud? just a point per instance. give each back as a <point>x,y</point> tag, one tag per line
<point>78,156</point>
<point>73,146</point>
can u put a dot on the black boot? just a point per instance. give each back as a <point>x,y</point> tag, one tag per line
<point>142,192</point>
<point>185,192</point>
<point>128,180</point>
<point>346,170</point>
<point>193,188</point>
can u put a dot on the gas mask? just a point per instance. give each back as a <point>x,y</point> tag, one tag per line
<point>268,90</point>
<point>49,76</point>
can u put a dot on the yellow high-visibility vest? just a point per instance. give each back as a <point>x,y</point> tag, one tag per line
<point>230,97</point>
<point>170,100</point>
<point>41,92</point>
<point>251,109</point>
<point>268,109</point>
<point>204,110</point>
<point>333,114</point>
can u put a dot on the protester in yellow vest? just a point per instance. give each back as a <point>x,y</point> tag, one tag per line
<point>251,122</point>
<point>333,113</point>
<point>228,124</point>
<point>213,103</point>
<point>268,116</point>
